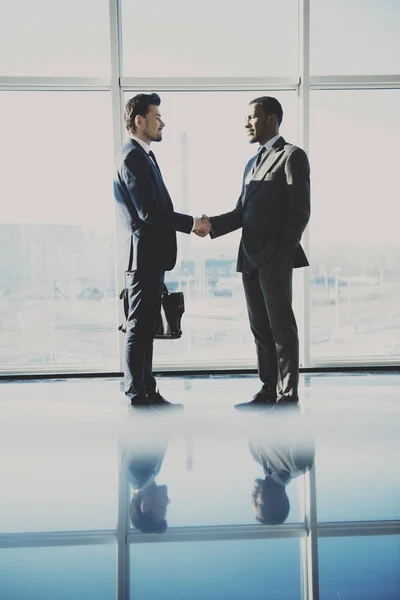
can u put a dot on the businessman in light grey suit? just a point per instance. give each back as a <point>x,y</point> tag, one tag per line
<point>273,210</point>
<point>285,449</point>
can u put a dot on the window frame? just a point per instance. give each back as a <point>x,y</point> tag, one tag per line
<point>117,85</point>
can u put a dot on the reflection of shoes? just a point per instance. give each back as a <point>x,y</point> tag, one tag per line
<point>157,401</point>
<point>260,401</point>
<point>140,401</point>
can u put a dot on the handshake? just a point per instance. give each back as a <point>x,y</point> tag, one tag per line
<point>202,226</point>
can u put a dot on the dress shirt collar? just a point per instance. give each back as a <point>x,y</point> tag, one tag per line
<point>268,145</point>
<point>145,146</point>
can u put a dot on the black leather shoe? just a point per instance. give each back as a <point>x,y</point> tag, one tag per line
<point>157,401</point>
<point>259,402</point>
<point>140,401</point>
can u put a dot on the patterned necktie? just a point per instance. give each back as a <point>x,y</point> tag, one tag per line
<point>151,154</point>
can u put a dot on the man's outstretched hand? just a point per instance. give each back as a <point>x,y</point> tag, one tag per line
<point>202,226</point>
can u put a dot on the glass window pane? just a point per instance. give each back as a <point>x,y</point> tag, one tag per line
<point>355,37</point>
<point>357,465</point>
<point>57,260</point>
<point>202,158</point>
<point>237,570</point>
<point>214,38</point>
<point>55,38</point>
<point>59,573</point>
<point>362,567</point>
<point>355,244</point>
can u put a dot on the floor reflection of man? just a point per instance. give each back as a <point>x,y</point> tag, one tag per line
<point>283,454</point>
<point>141,464</point>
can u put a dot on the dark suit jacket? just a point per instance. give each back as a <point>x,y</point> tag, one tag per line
<point>146,213</point>
<point>142,456</point>
<point>273,208</point>
<point>138,469</point>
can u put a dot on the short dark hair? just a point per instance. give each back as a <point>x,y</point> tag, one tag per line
<point>276,507</point>
<point>145,522</point>
<point>139,105</point>
<point>271,106</point>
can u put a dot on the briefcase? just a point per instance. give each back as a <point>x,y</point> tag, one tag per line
<point>172,309</point>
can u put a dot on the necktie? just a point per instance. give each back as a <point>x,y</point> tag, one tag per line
<point>260,155</point>
<point>151,154</point>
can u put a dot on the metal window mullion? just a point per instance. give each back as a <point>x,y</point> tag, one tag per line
<point>354,82</point>
<point>54,84</point>
<point>220,533</point>
<point>367,362</point>
<point>304,125</point>
<point>358,528</point>
<point>116,102</point>
<point>56,538</point>
<point>211,84</point>
<point>207,364</point>
<point>123,568</point>
<point>223,532</point>
<point>69,370</point>
<point>310,544</point>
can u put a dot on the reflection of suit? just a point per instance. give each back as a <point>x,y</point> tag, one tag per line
<point>141,462</point>
<point>282,460</point>
<point>148,248</point>
<point>282,444</point>
<point>273,211</point>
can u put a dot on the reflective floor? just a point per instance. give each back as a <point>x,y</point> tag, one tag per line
<point>102,501</point>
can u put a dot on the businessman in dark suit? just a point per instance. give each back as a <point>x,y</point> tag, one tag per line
<point>273,210</point>
<point>147,244</point>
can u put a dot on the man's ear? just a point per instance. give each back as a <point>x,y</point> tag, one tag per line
<point>138,120</point>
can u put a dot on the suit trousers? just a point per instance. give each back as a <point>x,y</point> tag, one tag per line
<point>268,291</point>
<point>144,300</point>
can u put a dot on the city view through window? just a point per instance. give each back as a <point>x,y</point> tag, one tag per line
<point>58,286</point>
<point>58,236</point>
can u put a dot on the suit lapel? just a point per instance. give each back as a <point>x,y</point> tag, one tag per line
<point>265,166</point>
<point>155,168</point>
<point>141,149</point>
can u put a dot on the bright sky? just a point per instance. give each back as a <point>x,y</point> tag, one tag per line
<point>59,38</point>
<point>208,38</point>
<point>225,38</point>
<point>355,37</point>
<point>56,157</point>
<point>354,153</point>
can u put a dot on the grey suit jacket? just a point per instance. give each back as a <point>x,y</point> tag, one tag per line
<point>283,459</point>
<point>273,208</point>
